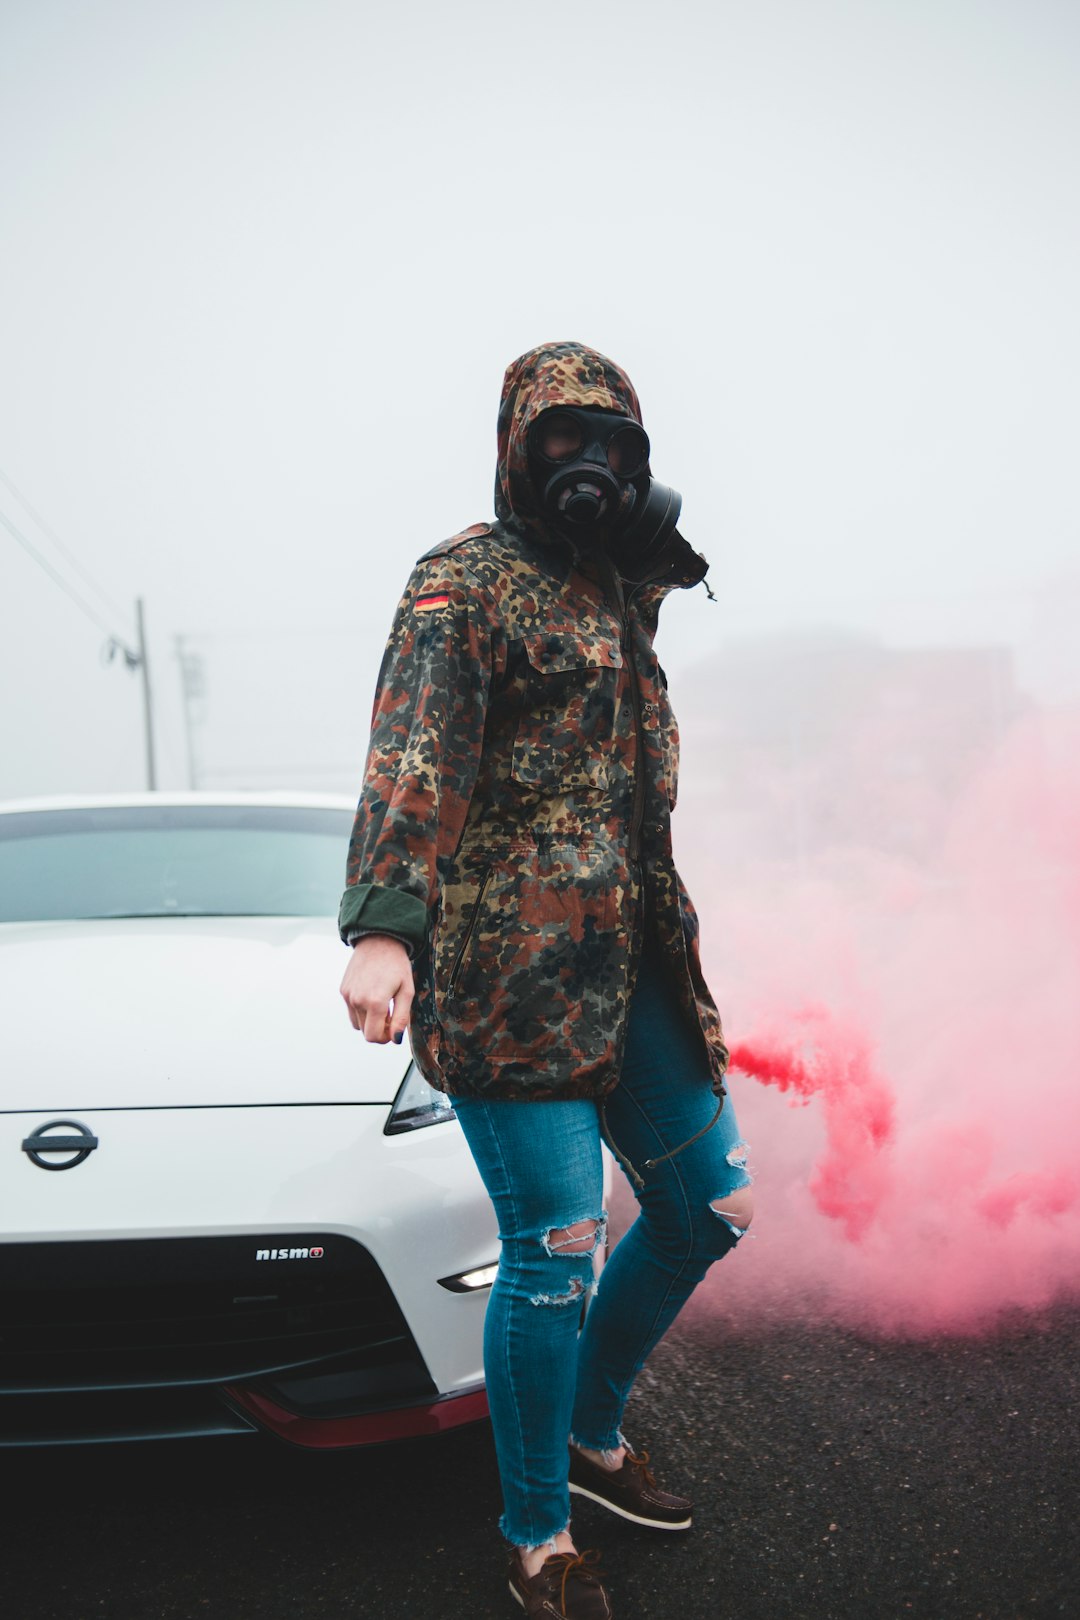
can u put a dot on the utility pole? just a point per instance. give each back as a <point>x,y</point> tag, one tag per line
<point>137,659</point>
<point>193,690</point>
<point>148,718</point>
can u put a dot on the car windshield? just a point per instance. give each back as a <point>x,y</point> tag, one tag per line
<point>172,861</point>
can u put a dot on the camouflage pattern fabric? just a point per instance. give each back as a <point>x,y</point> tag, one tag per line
<point>518,700</point>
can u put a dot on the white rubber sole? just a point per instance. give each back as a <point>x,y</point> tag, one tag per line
<point>632,1518</point>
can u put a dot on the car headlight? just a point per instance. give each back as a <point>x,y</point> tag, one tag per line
<point>417,1104</point>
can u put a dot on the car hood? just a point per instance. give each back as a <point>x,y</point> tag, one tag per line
<point>181,1012</point>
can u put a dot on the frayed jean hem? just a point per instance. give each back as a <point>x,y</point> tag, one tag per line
<point>606,1447</point>
<point>531,1546</point>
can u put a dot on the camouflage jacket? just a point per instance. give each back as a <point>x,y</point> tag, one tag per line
<point>514,823</point>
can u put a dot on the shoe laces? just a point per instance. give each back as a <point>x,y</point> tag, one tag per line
<point>642,1465</point>
<point>585,1564</point>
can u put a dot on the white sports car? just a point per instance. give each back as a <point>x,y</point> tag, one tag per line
<point>221,1210</point>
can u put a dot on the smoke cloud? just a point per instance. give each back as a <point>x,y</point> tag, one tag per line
<point>900,995</point>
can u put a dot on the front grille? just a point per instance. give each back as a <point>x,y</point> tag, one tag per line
<point>155,1311</point>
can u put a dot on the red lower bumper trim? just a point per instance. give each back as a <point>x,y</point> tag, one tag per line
<point>370,1429</point>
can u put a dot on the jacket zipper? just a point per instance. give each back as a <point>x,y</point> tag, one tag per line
<point>636,820</point>
<point>467,936</point>
<point>637,814</point>
<point>617,596</point>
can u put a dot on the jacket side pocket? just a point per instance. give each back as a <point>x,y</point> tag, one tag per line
<point>464,949</point>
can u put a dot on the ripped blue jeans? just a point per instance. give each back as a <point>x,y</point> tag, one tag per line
<point>541,1165</point>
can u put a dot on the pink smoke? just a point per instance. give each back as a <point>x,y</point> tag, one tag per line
<point>906,1051</point>
<point>851,1178</point>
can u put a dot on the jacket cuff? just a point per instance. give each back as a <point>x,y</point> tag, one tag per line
<point>357,934</point>
<point>369,909</point>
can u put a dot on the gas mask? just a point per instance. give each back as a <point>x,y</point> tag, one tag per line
<point>591,473</point>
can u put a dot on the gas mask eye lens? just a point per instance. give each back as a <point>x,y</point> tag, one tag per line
<point>559,437</point>
<point>628,452</point>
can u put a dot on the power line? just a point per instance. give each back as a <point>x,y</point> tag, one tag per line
<point>134,659</point>
<point>58,579</point>
<point>64,550</point>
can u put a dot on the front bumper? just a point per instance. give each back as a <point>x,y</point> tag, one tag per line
<point>178,1413</point>
<point>327,1335</point>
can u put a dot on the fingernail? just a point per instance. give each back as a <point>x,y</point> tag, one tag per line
<point>399,1037</point>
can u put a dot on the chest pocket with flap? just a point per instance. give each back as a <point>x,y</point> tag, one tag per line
<point>567,717</point>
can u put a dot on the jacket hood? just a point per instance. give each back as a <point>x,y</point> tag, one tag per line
<point>551,374</point>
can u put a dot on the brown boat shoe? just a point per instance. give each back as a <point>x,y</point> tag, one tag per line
<point>630,1491</point>
<point>566,1587</point>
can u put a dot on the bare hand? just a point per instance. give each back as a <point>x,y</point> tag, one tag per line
<point>378,988</point>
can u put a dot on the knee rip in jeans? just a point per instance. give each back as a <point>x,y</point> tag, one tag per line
<point>579,1288</point>
<point>576,1239</point>
<point>736,1210</point>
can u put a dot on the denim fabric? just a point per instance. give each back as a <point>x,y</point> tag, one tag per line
<point>541,1164</point>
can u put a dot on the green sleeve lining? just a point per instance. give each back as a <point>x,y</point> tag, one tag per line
<point>375,909</point>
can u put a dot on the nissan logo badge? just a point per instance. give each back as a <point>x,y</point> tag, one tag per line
<point>77,1147</point>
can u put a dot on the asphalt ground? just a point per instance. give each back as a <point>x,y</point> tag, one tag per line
<point>835,1475</point>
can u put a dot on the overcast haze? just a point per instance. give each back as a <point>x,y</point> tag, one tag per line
<point>263,265</point>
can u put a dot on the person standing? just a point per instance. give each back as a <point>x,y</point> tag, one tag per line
<point>511,899</point>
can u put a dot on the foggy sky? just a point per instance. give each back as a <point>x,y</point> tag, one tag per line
<point>263,265</point>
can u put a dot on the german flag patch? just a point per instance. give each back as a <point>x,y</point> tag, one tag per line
<point>432,602</point>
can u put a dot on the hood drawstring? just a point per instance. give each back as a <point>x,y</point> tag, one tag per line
<point>650,1164</point>
<point>605,1132</point>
